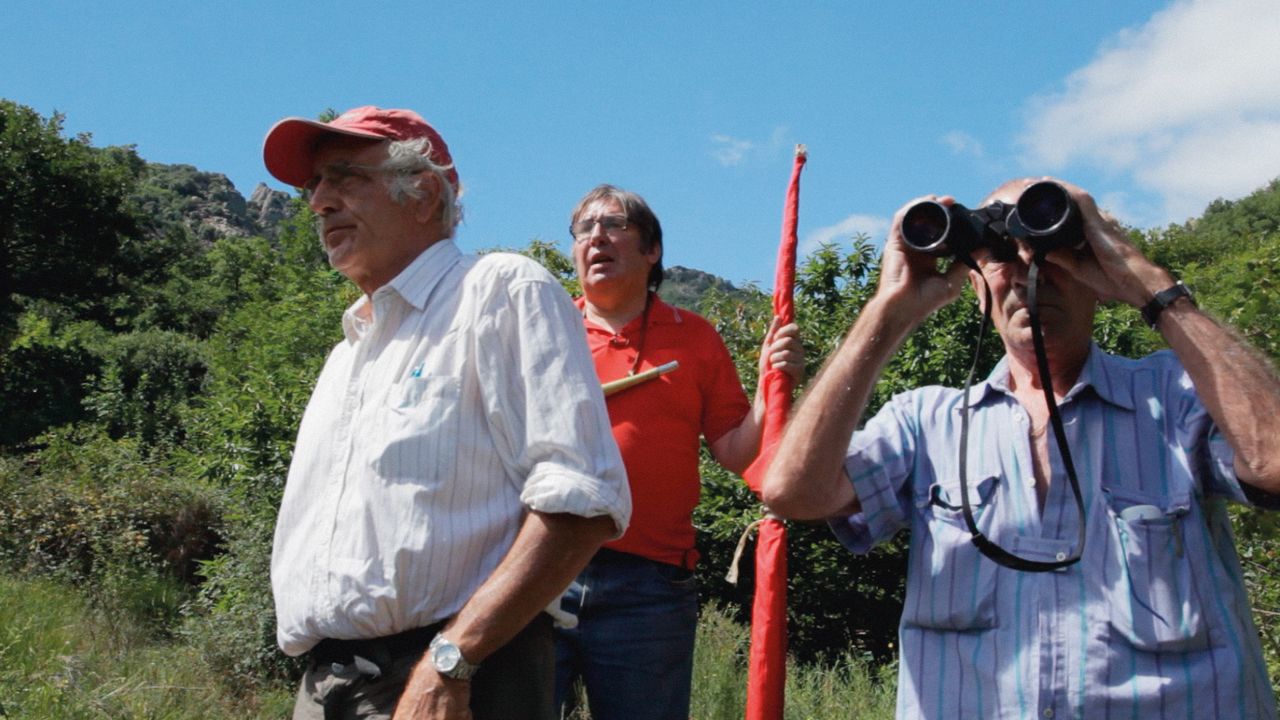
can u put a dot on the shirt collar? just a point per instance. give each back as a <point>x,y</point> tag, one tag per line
<point>1108,376</point>
<point>413,285</point>
<point>660,313</point>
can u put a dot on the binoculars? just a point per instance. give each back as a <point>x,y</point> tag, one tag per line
<point>1045,217</point>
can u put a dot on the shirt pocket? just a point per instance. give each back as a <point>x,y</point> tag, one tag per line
<point>1153,599</point>
<point>952,585</point>
<point>418,430</point>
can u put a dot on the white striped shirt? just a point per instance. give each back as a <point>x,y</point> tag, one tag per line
<point>462,395</point>
<point>1153,622</point>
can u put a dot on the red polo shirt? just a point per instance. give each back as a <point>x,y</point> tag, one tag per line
<point>658,423</point>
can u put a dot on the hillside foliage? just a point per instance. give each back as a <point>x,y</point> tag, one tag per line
<point>152,376</point>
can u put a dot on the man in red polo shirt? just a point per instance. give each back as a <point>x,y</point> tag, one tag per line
<point>636,602</point>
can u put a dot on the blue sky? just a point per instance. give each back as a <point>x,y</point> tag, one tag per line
<point>1156,107</point>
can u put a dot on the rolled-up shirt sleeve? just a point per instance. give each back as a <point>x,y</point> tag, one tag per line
<point>878,463</point>
<point>545,405</point>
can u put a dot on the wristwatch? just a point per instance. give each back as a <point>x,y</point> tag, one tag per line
<point>1163,299</point>
<point>447,659</point>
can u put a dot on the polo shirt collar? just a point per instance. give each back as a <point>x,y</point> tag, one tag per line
<point>660,313</point>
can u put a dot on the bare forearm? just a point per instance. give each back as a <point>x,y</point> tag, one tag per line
<point>548,553</point>
<point>1237,385</point>
<point>738,448</point>
<point>807,479</point>
<point>782,351</point>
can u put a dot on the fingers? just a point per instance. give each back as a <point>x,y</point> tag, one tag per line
<point>782,349</point>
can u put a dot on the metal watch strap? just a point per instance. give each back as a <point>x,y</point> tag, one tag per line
<point>460,670</point>
<point>1163,299</point>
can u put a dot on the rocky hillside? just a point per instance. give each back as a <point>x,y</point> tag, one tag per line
<point>207,204</point>
<point>684,287</point>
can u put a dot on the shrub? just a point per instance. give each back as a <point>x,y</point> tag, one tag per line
<point>95,512</point>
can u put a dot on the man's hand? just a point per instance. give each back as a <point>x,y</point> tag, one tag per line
<point>1238,385</point>
<point>430,696</point>
<point>549,551</point>
<point>782,349</point>
<point>910,280</point>
<point>1110,265</point>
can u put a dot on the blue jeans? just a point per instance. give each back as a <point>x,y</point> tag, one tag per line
<point>633,647</point>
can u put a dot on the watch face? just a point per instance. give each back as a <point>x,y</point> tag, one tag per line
<point>446,657</point>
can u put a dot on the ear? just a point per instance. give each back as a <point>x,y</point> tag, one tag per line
<point>975,281</point>
<point>427,208</point>
<point>654,254</point>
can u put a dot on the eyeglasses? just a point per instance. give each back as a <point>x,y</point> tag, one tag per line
<point>340,174</point>
<point>611,224</point>
<point>344,175</point>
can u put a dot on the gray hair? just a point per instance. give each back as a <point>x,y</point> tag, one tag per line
<point>406,159</point>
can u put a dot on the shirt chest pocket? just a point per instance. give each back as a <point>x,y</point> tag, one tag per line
<point>952,585</point>
<point>1154,600</point>
<point>416,430</point>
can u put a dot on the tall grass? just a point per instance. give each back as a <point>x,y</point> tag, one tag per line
<point>851,689</point>
<point>60,658</point>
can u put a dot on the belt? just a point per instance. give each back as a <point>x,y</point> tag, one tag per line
<point>378,650</point>
<point>609,556</point>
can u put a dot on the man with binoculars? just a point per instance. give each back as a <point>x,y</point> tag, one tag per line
<point>1070,555</point>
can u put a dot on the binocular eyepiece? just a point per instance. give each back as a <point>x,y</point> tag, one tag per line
<point>1045,217</point>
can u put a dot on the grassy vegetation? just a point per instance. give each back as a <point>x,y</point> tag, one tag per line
<point>851,689</point>
<point>61,658</point>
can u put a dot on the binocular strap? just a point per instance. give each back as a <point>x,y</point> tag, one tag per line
<point>984,544</point>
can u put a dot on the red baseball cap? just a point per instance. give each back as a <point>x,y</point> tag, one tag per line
<point>290,145</point>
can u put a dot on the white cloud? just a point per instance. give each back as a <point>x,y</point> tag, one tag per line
<point>730,151</point>
<point>840,233</point>
<point>964,144</point>
<point>1187,104</point>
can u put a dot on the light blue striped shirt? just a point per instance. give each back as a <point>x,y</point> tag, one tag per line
<point>1153,622</point>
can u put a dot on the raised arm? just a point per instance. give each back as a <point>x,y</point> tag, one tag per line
<point>1237,384</point>
<point>782,349</point>
<point>806,480</point>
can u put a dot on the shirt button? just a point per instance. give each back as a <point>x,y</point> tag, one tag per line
<point>1061,556</point>
<point>1031,481</point>
<point>1048,712</point>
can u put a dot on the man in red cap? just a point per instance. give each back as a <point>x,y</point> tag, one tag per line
<point>454,468</point>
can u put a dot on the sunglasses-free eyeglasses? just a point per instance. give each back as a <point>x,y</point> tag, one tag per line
<point>611,224</point>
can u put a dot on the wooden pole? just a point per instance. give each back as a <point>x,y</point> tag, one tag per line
<point>617,386</point>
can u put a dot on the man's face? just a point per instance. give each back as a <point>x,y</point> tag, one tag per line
<point>1066,305</point>
<point>368,236</point>
<point>611,260</point>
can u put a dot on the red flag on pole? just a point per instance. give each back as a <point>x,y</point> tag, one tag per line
<point>767,667</point>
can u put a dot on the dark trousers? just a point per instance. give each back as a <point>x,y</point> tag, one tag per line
<point>515,683</point>
<point>633,646</point>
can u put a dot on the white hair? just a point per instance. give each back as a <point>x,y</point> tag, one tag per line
<point>406,159</point>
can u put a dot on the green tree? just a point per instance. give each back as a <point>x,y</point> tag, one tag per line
<point>78,264</point>
<point>64,216</point>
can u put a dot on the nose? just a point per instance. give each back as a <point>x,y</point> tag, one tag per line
<point>322,198</point>
<point>597,236</point>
